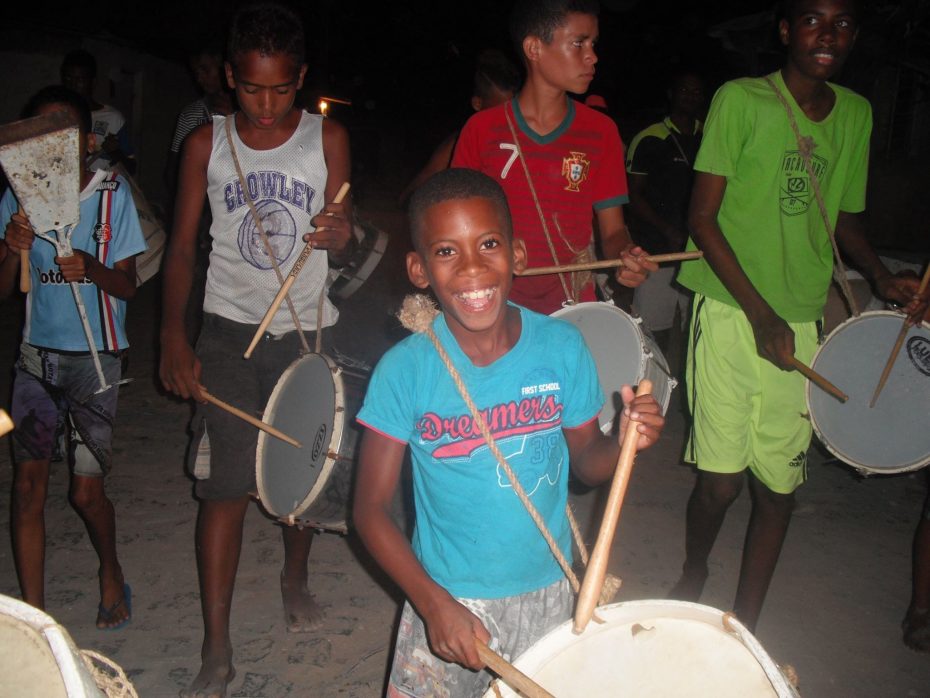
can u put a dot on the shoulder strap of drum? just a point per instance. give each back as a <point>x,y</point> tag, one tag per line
<point>103,236</point>
<point>806,147</point>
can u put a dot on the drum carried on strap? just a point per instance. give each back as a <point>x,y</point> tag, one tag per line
<point>310,486</point>
<point>371,244</point>
<point>892,436</point>
<point>38,656</point>
<point>624,355</point>
<point>653,648</point>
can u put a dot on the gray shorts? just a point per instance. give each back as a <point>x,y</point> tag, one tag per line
<point>222,454</point>
<point>515,624</point>
<point>54,396</point>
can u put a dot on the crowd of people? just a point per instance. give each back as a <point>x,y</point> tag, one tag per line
<point>534,178</point>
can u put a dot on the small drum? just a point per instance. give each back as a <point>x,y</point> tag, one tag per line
<point>38,656</point>
<point>653,648</point>
<point>891,437</point>
<point>624,355</point>
<point>371,246</point>
<point>310,486</point>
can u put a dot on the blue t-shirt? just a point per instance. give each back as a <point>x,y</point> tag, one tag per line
<point>473,535</point>
<point>52,319</point>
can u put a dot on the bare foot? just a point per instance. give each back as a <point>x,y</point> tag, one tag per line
<point>115,607</point>
<point>301,612</point>
<point>211,682</point>
<point>689,586</point>
<point>916,628</point>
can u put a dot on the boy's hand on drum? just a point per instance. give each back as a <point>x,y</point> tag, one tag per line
<point>635,267</point>
<point>333,231</point>
<point>646,414</point>
<point>179,368</point>
<point>452,630</point>
<point>774,341</point>
<point>19,233</point>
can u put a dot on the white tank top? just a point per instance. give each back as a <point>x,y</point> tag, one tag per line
<point>287,185</point>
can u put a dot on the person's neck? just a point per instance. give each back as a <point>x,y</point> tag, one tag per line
<point>484,348</point>
<point>261,139</point>
<point>815,97</point>
<point>683,122</point>
<point>543,107</point>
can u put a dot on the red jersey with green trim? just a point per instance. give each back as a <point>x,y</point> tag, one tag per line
<point>576,170</point>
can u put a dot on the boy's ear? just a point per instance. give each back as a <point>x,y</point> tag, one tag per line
<point>416,270</point>
<point>300,78</point>
<point>476,103</point>
<point>230,80</point>
<point>519,254</point>
<point>783,28</point>
<point>531,47</point>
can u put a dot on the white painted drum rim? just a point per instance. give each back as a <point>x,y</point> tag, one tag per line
<point>649,352</point>
<point>819,427</point>
<point>551,645</point>
<point>331,448</point>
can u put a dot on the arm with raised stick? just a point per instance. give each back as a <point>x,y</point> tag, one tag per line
<point>596,572</point>
<point>609,263</point>
<point>899,342</point>
<point>289,281</point>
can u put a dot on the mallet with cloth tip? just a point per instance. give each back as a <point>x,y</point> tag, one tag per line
<point>289,281</point>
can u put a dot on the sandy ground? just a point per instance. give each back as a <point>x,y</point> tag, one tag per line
<point>833,611</point>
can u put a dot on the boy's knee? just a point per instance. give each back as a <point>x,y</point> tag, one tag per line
<point>30,486</point>
<point>719,489</point>
<point>87,494</point>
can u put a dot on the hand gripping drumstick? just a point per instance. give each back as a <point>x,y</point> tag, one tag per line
<point>264,426</point>
<point>597,565</point>
<point>897,345</point>
<point>818,380</point>
<point>608,263</point>
<point>512,676</point>
<point>289,281</point>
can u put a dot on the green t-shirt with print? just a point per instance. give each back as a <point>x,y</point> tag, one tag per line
<point>769,215</point>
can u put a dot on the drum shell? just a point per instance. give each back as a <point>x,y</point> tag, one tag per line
<point>371,244</point>
<point>38,656</point>
<point>642,650</point>
<point>623,353</point>
<point>890,437</point>
<point>314,401</point>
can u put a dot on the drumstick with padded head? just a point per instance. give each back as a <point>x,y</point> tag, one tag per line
<point>897,345</point>
<point>289,281</point>
<point>512,676</point>
<point>596,571</point>
<point>608,263</point>
<point>264,426</point>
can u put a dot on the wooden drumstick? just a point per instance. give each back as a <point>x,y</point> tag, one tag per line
<point>512,676</point>
<point>289,280</point>
<point>819,380</point>
<point>264,426</point>
<point>608,263</point>
<point>899,342</point>
<point>24,282</point>
<point>596,571</point>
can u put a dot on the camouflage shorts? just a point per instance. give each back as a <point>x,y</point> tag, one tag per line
<point>515,624</point>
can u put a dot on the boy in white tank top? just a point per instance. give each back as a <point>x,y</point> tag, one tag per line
<point>292,162</point>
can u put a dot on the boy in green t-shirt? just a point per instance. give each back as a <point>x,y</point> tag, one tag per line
<point>762,283</point>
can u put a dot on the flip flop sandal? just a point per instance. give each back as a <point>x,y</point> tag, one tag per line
<point>106,615</point>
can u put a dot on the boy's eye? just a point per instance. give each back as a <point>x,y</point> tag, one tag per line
<point>250,90</point>
<point>444,251</point>
<point>490,244</point>
<point>283,90</point>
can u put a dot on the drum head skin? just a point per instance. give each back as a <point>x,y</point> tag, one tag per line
<point>624,356</point>
<point>306,404</point>
<point>891,437</point>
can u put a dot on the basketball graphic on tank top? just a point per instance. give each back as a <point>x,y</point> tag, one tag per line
<point>279,227</point>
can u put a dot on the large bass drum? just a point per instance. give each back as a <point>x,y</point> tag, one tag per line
<point>891,437</point>
<point>649,649</point>
<point>312,485</point>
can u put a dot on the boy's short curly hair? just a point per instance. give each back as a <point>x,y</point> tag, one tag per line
<point>542,17</point>
<point>453,184</point>
<point>268,28</point>
<point>788,9</point>
<point>59,94</point>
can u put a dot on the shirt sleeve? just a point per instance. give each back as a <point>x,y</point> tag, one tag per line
<point>388,402</point>
<point>584,397</point>
<point>467,149</point>
<point>722,141</point>
<point>128,239</point>
<point>853,198</point>
<point>8,206</point>
<point>611,189</point>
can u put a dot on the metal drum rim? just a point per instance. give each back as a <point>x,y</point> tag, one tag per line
<point>835,450</point>
<point>336,438</point>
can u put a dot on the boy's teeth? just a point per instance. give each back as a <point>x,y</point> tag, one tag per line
<point>477,295</point>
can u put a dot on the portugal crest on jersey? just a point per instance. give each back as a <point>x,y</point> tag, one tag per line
<point>575,170</point>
